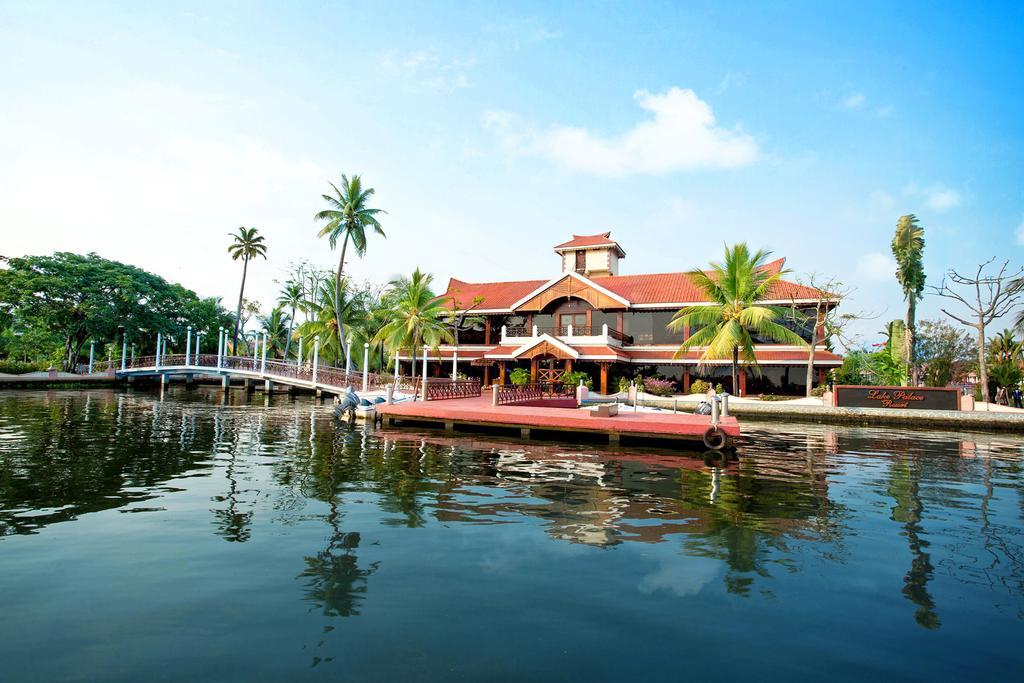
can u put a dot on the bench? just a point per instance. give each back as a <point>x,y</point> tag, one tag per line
<point>605,410</point>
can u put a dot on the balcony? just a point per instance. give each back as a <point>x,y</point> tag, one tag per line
<point>567,333</point>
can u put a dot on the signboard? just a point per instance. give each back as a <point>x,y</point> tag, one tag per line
<point>896,398</point>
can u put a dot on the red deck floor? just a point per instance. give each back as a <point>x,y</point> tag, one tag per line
<point>479,411</point>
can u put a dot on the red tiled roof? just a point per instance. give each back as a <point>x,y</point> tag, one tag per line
<point>587,241</point>
<point>656,288</point>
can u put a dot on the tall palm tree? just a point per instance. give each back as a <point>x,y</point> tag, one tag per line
<point>323,322</point>
<point>348,218</point>
<point>290,297</point>
<point>416,317</point>
<point>908,249</point>
<point>735,289</point>
<point>246,244</point>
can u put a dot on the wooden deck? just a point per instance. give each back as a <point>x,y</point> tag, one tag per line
<point>477,413</point>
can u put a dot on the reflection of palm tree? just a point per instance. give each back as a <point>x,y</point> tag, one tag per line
<point>904,488</point>
<point>232,525</point>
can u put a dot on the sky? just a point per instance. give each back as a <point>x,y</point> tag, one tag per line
<point>147,132</point>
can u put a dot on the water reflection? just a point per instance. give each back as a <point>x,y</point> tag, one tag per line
<point>797,496</point>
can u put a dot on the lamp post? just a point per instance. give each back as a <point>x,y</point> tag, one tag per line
<point>366,366</point>
<point>124,352</point>
<point>316,358</point>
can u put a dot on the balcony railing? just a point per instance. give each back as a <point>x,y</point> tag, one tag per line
<point>567,331</point>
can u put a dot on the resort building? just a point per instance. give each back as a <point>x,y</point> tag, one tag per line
<point>591,318</point>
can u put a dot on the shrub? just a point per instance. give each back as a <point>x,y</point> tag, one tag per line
<point>623,384</point>
<point>519,377</point>
<point>819,391</point>
<point>719,389</point>
<point>659,387</point>
<point>572,379</point>
<point>17,367</point>
<point>699,386</point>
<point>776,397</point>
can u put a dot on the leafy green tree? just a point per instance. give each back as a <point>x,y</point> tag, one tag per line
<point>417,317</point>
<point>944,352</point>
<point>736,289</point>
<point>246,244</point>
<point>348,217</point>
<point>908,250</point>
<point>73,299</point>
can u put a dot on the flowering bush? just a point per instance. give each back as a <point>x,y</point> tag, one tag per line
<point>659,387</point>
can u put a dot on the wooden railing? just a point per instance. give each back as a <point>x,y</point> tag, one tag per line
<point>439,388</point>
<point>510,393</point>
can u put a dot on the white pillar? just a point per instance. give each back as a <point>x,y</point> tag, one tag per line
<point>298,358</point>
<point>188,344</point>
<point>159,341</point>
<point>396,367</point>
<point>504,331</point>
<point>366,366</point>
<point>124,353</point>
<point>604,330</point>
<point>424,363</point>
<point>569,331</point>
<point>348,359</point>
<point>92,351</point>
<point>263,359</point>
<point>133,355</point>
<point>255,349</point>
<point>534,330</point>
<point>455,364</point>
<point>220,344</point>
<point>198,337</point>
<point>316,357</point>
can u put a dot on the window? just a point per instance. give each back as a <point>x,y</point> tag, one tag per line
<point>581,261</point>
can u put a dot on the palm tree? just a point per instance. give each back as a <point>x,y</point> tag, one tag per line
<point>416,317</point>
<point>290,297</point>
<point>349,217</point>
<point>323,322</point>
<point>735,289</point>
<point>278,326</point>
<point>246,244</point>
<point>908,249</point>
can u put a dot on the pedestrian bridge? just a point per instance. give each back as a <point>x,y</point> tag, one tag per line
<point>310,376</point>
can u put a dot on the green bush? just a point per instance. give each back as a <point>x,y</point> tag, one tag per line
<point>719,389</point>
<point>519,377</point>
<point>623,384</point>
<point>819,391</point>
<point>17,367</point>
<point>699,386</point>
<point>776,397</point>
<point>572,379</point>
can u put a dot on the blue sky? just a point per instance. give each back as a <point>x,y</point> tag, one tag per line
<point>493,131</point>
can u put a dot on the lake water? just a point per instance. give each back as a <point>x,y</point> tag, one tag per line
<point>182,539</point>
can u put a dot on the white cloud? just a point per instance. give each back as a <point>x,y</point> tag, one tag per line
<point>1020,233</point>
<point>681,136</point>
<point>855,101</point>
<point>429,69</point>
<point>680,578</point>
<point>940,198</point>
<point>884,111</point>
<point>876,266</point>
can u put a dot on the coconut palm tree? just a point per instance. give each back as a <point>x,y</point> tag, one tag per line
<point>735,288</point>
<point>348,217</point>
<point>908,250</point>
<point>246,244</point>
<point>416,316</point>
<point>290,297</point>
<point>323,322</point>
<point>277,325</point>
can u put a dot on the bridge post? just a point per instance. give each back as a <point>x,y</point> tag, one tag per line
<point>159,340</point>
<point>163,380</point>
<point>196,357</point>
<point>455,364</point>
<point>298,357</point>
<point>268,386</point>
<point>225,382</point>
<point>397,368</point>
<point>124,353</point>
<point>188,345</point>
<point>366,366</point>
<point>316,358</point>
<point>348,360</point>
<point>263,358</point>
<point>92,347</point>
<point>220,346</point>
<point>255,348</point>
<point>133,354</point>
<point>424,364</point>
